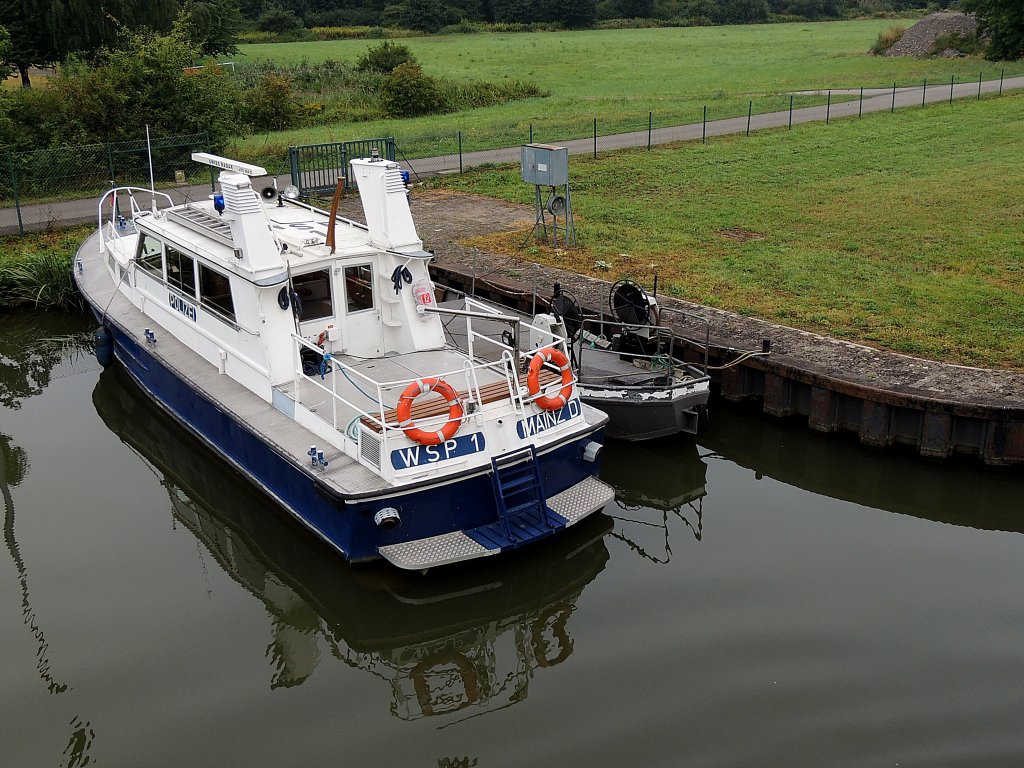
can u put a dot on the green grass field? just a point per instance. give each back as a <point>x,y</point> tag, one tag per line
<point>619,77</point>
<point>905,230</point>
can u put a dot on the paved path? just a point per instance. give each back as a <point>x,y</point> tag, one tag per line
<point>882,100</point>
<point>71,212</point>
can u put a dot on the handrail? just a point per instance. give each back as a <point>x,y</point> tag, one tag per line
<point>491,312</point>
<point>657,330</point>
<point>135,209</point>
<point>707,330</point>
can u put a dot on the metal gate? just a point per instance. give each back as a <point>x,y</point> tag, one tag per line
<point>316,168</point>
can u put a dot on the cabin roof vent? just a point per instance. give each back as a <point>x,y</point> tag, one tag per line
<point>239,196</point>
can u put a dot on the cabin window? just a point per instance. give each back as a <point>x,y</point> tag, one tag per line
<point>181,272</point>
<point>314,292</point>
<point>359,288</point>
<point>151,255</point>
<point>215,292</point>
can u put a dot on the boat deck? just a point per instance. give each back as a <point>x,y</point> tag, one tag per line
<point>273,427</point>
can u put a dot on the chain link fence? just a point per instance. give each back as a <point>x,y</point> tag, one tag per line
<point>58,187</point>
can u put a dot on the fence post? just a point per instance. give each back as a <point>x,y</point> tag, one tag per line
<point>750,111</point>
<point>860,109</point>
<point>531,133</point>
<point>790,111</point>
<point>460,151</point>
<point>979,84</point>
<point>893,99</point>
<point>595,138</point>
<point>828,107</point>
<point>110,164</point>
<point>14,189</point>
<point>1001,73</point>
<point>704,127</point>
<point>924,91</point>
<point>650,129</point>
<point>952,80</point>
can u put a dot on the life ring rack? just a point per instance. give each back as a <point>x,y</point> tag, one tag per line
<point>404,411</point>
<point>555,357</point>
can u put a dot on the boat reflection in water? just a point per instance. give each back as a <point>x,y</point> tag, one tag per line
<point>467,639</point>
<point>656,483</point>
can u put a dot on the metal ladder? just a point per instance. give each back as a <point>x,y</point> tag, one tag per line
<point>519,491</point>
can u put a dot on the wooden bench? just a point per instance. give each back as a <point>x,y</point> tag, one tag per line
<point>432,404</point>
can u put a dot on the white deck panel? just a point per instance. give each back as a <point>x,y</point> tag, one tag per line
<point>270,425</point>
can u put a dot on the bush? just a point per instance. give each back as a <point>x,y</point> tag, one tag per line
<point>473,94</point>
<point>255,37</point>
<point>118,92</point>
<point>887,38</point>
<point>269,106</point>
<point>966,44</point>
<point>39,279</point>
<point>408,92</point>
<point>351,33</point>
<point>385,58</point>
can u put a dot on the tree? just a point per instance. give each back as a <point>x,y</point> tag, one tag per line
<point>575,14</point>
<point>280,20</point>
<point>44,32</point>
<point>422,15</point>
<point>31,43</point>
<point>5,46</point>
<point>1003,22</point>
<point>212,25</point>
<point>143,81</point>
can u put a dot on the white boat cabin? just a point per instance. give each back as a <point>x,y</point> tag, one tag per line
<point>332,327</point>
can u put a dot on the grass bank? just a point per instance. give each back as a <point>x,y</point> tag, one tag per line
<point>620,77</point>
<point>902,231</point>
<point>35,270</point>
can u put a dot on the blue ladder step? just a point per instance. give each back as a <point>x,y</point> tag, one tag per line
<point>519,482</point>
<point>524,528</point>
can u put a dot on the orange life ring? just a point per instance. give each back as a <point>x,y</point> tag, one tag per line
<point>447,701</point>
<point>404,411</point>
<point>556,356</point>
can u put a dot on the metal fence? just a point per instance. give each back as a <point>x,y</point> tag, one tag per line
<point>316,168</point>
<point>433,154</point>
<point>58,186</point>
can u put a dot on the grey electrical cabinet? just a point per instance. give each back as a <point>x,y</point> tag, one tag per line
<point>545,165</point>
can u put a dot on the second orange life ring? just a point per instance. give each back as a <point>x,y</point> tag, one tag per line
<point>557,357</point>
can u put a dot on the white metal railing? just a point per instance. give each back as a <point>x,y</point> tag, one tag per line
<point>663,355</point>
<point>557,341</point>
<point>380,392</point>
<point>384,395</point>
<point>119,228</point>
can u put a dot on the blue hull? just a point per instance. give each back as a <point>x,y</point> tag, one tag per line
<point>345,522</point>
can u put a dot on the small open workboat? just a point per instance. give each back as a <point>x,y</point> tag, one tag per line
<point>627,364</point>
<point>310,353</point>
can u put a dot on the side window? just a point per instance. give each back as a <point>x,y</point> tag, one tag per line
<point>151,255</point>
<point>181,271</point>
<point>359,288</point>
<point>215,292</point>
<point>314,292</point>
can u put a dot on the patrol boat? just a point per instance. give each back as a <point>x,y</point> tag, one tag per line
<point>309,352</point>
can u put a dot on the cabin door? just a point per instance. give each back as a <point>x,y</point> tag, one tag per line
<point>362,334</point>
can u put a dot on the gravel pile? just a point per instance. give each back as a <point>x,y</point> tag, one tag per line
<point>919,39</point>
